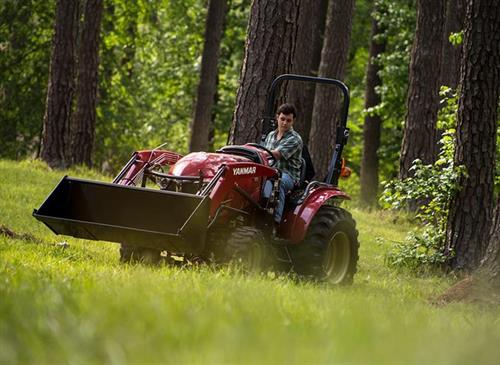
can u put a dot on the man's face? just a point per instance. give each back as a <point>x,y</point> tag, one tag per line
<point>285,122</point>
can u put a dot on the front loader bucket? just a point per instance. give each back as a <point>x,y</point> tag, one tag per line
<point>176,222</point>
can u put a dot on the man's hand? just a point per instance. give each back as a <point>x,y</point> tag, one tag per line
<point>276,154</point>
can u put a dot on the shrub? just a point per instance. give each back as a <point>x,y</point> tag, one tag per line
<point>431,187</point>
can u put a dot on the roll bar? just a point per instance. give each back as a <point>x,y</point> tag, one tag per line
<point>335,165</point>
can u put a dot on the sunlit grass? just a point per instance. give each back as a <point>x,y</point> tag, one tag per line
<point>77,304</point>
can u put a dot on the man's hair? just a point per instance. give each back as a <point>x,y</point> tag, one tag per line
<point>287,108</point>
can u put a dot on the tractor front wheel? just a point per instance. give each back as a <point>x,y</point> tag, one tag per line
<point>134,255</point>
<point>246,246</point>
<point>329,251</point>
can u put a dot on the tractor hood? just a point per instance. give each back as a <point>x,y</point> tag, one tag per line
<point>205,162</point>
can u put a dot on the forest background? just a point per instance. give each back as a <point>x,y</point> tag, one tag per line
<point>150,59</point>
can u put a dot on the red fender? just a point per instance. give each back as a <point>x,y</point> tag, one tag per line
<point>297,222</point>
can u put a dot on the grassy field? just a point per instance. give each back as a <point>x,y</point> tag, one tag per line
<point>76,304</point>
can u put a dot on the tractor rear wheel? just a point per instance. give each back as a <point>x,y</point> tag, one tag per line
<point>329,252</point>
<point>246,246</point>
<point>134,255</point>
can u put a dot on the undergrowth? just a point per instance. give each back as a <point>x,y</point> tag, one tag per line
<point>430,189</point>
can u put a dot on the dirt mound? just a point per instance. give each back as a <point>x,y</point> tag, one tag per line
<point>6,231</point>
<point>469,290</point>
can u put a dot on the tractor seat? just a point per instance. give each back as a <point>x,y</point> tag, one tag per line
<point>306,169</point>
<point>306,175</point>
<point>302,180</point>
<point>307,164</point>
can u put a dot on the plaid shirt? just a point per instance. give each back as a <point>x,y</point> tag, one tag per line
<point>290,148</point>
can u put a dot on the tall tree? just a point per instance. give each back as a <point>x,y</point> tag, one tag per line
<point>470,210</point>
<point>420,136</point>
<point>207,86</point>
<point>452,54</point>
<point>213,116</point>
<point>333,65</point>
<point>372,125</point>
<point>84,119</point>
<point>61,87</point>
<point>269,48</point>
<point>490,265</point>
<point>306,58</point>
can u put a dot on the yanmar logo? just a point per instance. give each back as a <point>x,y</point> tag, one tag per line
<point>244,170</point>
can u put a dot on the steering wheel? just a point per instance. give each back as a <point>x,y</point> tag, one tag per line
<point>271,159</point>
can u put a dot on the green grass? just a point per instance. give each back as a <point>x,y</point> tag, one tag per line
<point>79,305</point>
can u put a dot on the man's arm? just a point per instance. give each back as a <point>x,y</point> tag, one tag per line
<point>277,154</point>
<point>287,148</point>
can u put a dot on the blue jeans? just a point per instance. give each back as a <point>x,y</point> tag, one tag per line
<point>286,185</point>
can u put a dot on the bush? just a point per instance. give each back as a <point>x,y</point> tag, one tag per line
<point>431,188</point>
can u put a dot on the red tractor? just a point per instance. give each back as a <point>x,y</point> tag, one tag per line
<point>210,207</point>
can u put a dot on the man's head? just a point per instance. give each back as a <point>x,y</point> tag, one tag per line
<point>285,117</point>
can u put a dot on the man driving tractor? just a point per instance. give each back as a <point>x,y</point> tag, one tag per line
<point>286,146</point>
<point>209,206</point>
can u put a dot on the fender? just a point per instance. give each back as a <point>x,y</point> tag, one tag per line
<point>297,222</point>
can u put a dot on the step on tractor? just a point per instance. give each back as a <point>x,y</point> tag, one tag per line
<point>210,207</point>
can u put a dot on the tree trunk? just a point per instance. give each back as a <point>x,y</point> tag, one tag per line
<point>270,44</point>
<point>83,125</point>
<point>56,121</point>
<point>490,265</point>
<point>306,58</point>
<point>372,125</point>
<point>451,54</point>
<point>326,101</point>
<point>470,210</point>
<point>420,136</point>
<point>213,115</point>
<point>207,87</point>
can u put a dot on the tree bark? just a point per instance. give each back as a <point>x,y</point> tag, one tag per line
<point>269,48</point>
<point>420,136</point>
<point>490,265</point>
<point>333,65</point>
<point>207,87</point>
<point>84,120</point>
<point>373,122</point>
<point>211,127</point>
<point>306,59</point>
<point>451,54</point>
<point>470,210</point>
<point>56,122</point>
